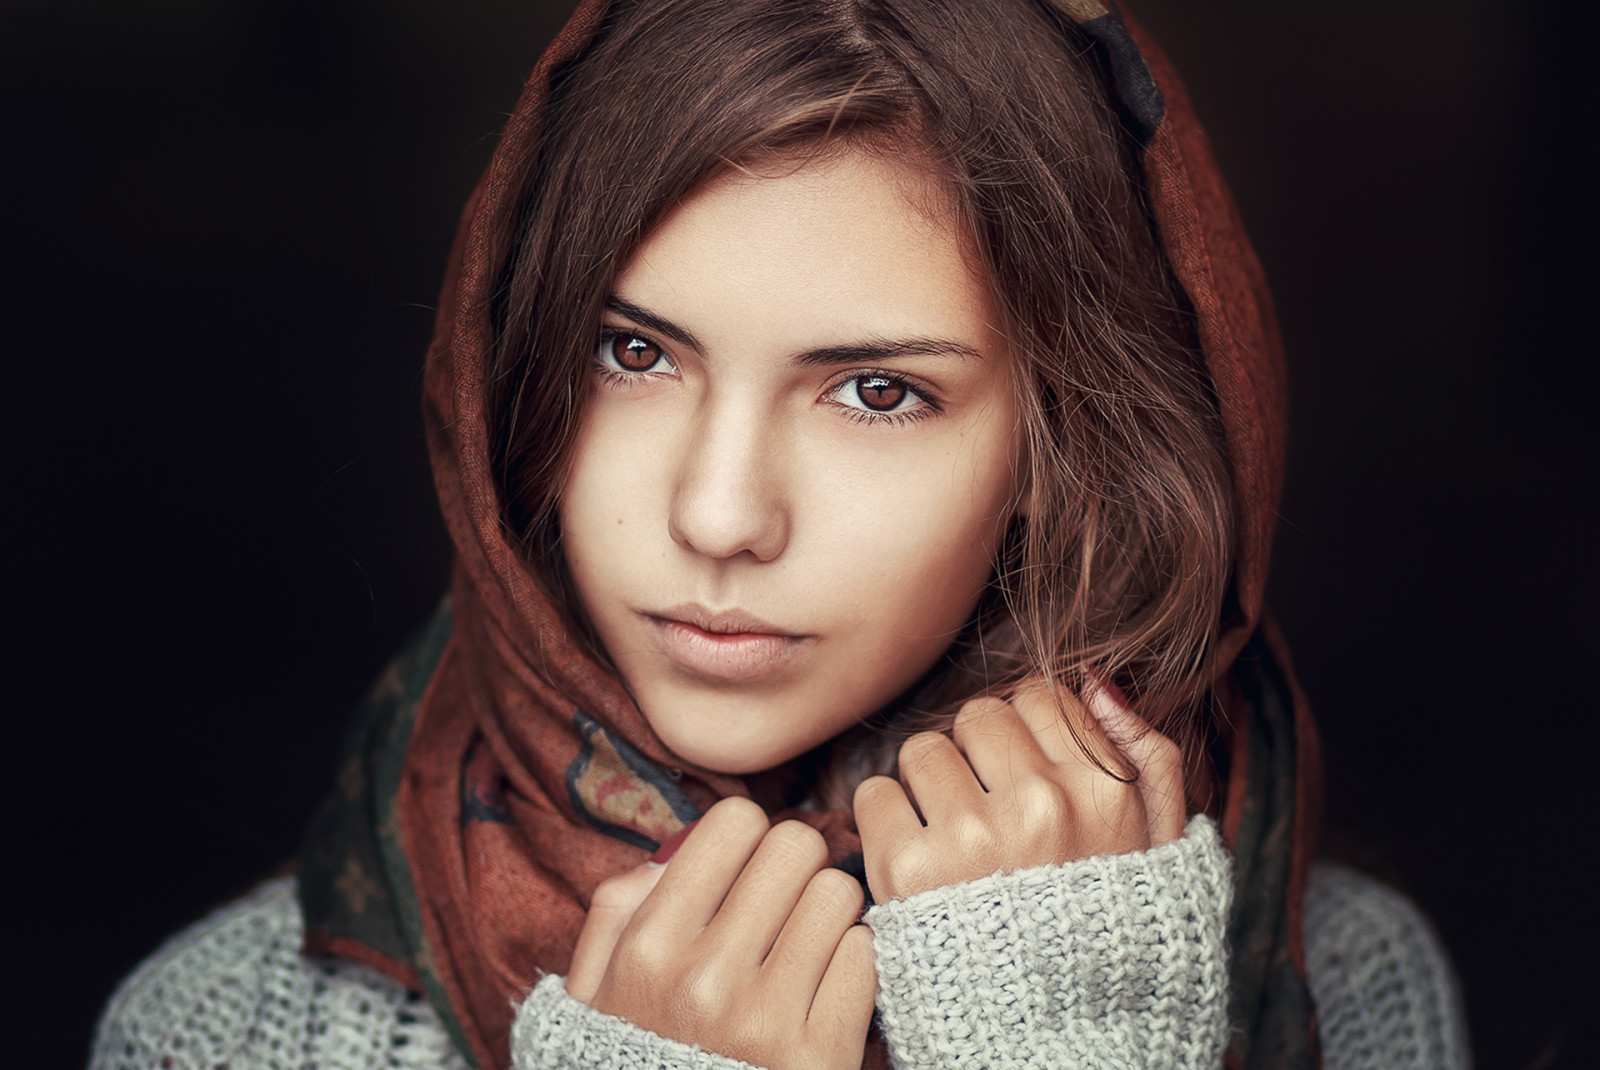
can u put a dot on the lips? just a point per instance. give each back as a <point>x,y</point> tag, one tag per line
<point>729,645</point>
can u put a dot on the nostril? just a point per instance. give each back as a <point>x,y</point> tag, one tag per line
<point>727,503</point>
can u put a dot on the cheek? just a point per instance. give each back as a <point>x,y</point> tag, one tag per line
<point>614,478</point>
<point>919,548</point>
<point>947,566</point>
<point>966,519</point>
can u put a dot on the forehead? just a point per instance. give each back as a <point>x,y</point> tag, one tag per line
<point>816,247</point>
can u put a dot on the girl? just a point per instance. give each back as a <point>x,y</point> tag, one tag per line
<point>847,414</point>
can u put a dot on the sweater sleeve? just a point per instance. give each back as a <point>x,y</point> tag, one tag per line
<point>234,991</point>
<point>554,1031</point>
<point>1386,996</point>
<point>1134,978</point>
<point>1112,961</point>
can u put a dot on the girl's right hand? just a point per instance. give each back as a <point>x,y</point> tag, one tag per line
<point>746,944</point>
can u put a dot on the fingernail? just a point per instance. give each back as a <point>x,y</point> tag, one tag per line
<point>670,845</point>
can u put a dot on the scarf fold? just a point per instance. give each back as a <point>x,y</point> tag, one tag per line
<point>361,902</point>
<point>497,772</point>
<point>520,864</point>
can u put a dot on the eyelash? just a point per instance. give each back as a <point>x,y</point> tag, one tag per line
<point>930,405</point>
<point>622,376</point>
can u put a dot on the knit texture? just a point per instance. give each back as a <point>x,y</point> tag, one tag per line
<point>1112,961</point>
<point>234,991</point>
<point>554,1030</point>
<point>1386,998</point>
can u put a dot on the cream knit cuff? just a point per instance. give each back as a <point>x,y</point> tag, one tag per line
<point>1112,961</point>
<point>552,1029</point>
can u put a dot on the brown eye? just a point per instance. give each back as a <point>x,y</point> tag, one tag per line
<point>632,353</point>
<point>880,393</point>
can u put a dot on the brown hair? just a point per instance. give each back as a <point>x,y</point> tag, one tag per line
<point>1123,556</point>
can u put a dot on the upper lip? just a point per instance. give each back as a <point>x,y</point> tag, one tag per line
<point>720,622</point>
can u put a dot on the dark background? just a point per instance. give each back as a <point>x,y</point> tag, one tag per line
<point>224,222</point>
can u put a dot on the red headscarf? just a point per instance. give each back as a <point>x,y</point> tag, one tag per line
<point>498,773</point>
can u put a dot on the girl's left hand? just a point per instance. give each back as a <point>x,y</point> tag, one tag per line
<point>1010,789</point>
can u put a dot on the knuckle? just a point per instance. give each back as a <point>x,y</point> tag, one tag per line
<point>613,893</point>
<point>1115,790</point>
<point>976,711</point>
<point>836,890</point>
<point>1040,801</point>
<point>639,955</point>
<point>1049,699</point>
<point>799,843</point>
<point>1116,803</point>
<point>921,748</point>
<point>702,993</point>
<point>858,943</point>
<point>1104,759</point>
<point>1070,707</point>
<point>1165,756</point>
<point>873,788</point>
<point>1035,689</point>
<point>909,867</point>
<point>737,814</point>
<point>972,833</point>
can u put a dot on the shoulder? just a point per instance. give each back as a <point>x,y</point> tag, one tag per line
<point>1385,993</point>
<point>234,990</point>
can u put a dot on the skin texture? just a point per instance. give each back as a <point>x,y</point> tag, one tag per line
<point>743,944</point>
<point>724,482</point>
<point>744,473</point>
<point>1010,788</point>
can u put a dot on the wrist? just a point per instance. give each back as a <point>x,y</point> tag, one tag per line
<point>553,1029</point>
<point>1115,958</point>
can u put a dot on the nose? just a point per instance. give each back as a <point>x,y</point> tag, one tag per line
<point>729,497</point>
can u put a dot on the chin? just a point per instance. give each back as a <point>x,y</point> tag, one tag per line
<point>735,741</point>
<point>719,757</point>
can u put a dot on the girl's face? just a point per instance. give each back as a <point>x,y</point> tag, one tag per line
<point>797,461</point>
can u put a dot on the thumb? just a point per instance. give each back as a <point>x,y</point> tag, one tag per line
<point>613,906</point>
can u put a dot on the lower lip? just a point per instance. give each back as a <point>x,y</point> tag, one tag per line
<point>726,656</point>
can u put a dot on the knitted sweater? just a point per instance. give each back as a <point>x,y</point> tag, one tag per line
<point>1116,961</point>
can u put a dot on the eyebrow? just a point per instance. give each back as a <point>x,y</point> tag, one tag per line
<point>649,320</point>
<point>864,352</point>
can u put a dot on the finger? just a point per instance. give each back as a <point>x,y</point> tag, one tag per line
<point>886,820</point>
<point>830,905</point>
<point>766,892</point>
<point>614,903</point>
<point>998,744</point>
<point>711,858</point>
<point>1110,814</point>
<point>1156,759</point>
<point>1067,733</point>
<point>842,1010</point>
<point>936,778</point>
<point>669,846</point>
